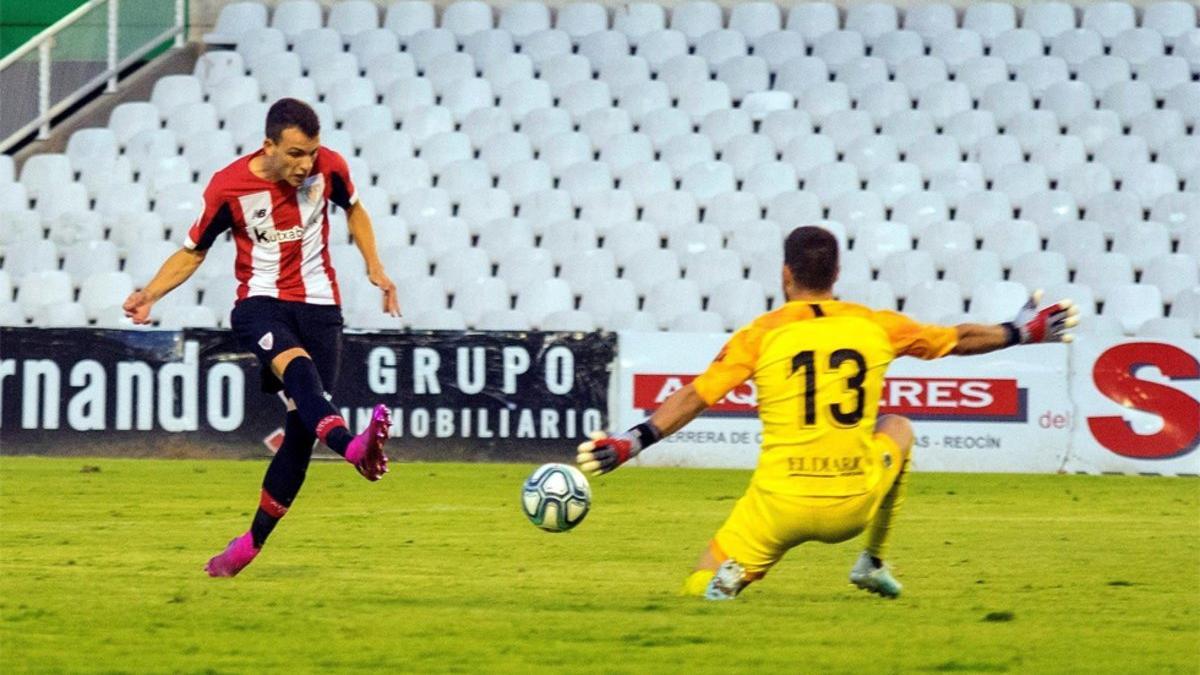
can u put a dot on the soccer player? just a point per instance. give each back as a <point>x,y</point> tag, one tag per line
<point>275,203</point>
<point>830,466</point>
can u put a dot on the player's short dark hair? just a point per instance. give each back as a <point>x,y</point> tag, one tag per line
<point>811,253</point>
<point>289,112</point>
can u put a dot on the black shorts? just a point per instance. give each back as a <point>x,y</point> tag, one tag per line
<point>269,326</point>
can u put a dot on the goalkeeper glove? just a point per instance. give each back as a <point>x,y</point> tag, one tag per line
<point>606,452</point>
<point>1049,324</point>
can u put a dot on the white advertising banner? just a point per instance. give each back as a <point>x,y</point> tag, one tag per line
<point>1008,411</point>
<point>1137,404</point>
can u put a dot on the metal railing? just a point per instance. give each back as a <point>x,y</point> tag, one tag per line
<point>80,53</point>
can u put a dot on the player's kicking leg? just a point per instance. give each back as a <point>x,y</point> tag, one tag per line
<point>870,572</point>
<point>310,416</point>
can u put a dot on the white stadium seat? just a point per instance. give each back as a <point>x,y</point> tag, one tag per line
<point>1133,305</point>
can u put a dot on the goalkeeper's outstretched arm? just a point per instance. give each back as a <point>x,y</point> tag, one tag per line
<point>1050,324</point>
<point>604,452</point>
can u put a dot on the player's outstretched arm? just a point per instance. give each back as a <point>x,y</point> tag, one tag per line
<point>606,452</point>
<point>359,224</point>
<point>1032,325</point>
<point>178,268</point>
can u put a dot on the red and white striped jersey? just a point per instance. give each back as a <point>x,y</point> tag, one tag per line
<point>281,232</point>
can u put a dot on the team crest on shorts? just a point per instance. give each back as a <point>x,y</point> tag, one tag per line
<point>887,459</point>
<point>267,341</point>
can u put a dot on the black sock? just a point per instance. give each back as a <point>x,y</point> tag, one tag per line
<point>303,385</point>
<point>876,561</point>
<point>284,477</point>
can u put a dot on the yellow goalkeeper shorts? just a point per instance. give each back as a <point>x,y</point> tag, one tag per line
<point>764,525</point>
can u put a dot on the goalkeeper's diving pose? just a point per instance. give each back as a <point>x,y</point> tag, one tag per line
<point>830,465</point>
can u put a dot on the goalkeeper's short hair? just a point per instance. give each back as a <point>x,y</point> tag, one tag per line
<point>811,253</point>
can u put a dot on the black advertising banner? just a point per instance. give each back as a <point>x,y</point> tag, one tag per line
<point>454,395</point>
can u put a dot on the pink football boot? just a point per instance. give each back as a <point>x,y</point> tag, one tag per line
<point>239,553</point>
<point>365,452</point>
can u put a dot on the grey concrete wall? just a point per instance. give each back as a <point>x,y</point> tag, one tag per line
<point>204,12</point>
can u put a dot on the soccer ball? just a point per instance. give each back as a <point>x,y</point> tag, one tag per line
<point>556,497</point>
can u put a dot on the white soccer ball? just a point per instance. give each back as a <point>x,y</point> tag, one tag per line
<point>556,497</point>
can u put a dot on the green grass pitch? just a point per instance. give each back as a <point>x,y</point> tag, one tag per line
<point>435,569</point>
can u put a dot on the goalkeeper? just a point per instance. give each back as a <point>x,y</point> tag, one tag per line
<point>830,465</point>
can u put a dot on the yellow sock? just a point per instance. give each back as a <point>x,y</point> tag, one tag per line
<point>881,526</point>
<point>697,583</point>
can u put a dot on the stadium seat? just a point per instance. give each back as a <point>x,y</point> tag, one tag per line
<point>648,266</point>
<point>958,183</point>
<point>523,19</point>
<point>1171,18</point>
<point>669,298</point>
<point>697,322</point>
<point>830,181</point>
<point>696,18</point>
<point>1113,210</point>
<point>1166,328</point>
<point>1133,305</point>
<point>1137,45</point>
<point>879,240</point>
<point>236,18</point>
<point>738,302</point>
<point>932,301</point>
<point>670,210</point>
<point>989,19</point>
<point>981,72</point>
<point>930,20</point>
<point>807,152</point>
<point>905,269</point>
<point>1086,180</point>
<point>869,152</point>
<point>1011,239</point>
<point>920,210</point>
<point>895,180</point>
<point>1104,271</point>
<point>969,128</point>
<point>998,301</point>
<point>873,294</point>
<point>476,297</point>
<point>1149,182</point>
<point>293,17</point>
<point>907,126</point>
<point>571,320</point>
<point>40,288</point>
<point>1141,242</point>
<point>602,297</point>
<point>955,47</point>
<point>1039,269</point>
<point>1172,273</point>
<point>258,42</point>
<point>522,268</point>
<point>1103,72</point>
<point>720,45</point>
<point>43,171</point>
<point>848,127</point>
<point>980,210</point>
<point>467,17</point>
<point>710,268</point>
<point>637,19</point>
<point>102,291</point>
<point>1179,211</point>
<point>855,207</point>
<point>1128,100</point>
<point>1108,19</point>
<point>871,19</point>
<point>503,320</point>
<point>488,205</point>
<point>543,298</point>
<point>1187,307</point>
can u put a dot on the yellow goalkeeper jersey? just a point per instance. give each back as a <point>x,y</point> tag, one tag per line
<point>818,368</point>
